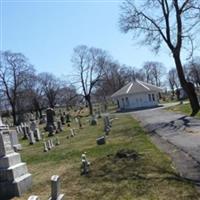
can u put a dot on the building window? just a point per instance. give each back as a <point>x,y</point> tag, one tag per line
<point>153,97</point>
<point>149,97</point>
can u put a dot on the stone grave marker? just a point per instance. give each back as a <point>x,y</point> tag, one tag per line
<point>85,164</point>
<point>101,140</point>
<point>55,188</point>
<point>45,146</point>
<point>49,145</point>
<point>31,137</point>
<point>37,134</point>
<point>14,140</point>
<point>33,197</point>
<point>59,126</point>
<point>50,119</point>
<point>51,131</point>
<point>14,176</point>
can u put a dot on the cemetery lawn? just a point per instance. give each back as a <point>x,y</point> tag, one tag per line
<point>183,108</point>
<point>150,176</point>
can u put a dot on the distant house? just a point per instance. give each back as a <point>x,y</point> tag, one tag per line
<point>137,94</point>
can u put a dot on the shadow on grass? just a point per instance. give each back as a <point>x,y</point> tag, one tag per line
<point>117,170</point>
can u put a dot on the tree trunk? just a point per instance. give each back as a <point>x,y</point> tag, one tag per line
<point>14,115</point>
<point>88,99</point>
<point>187,86</point>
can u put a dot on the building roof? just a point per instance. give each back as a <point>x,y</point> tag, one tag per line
<point>136,87</point>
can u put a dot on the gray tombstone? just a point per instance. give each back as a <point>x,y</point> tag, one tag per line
<point>55,188</point>
<point>3,126</point>
<point>33,197</point>
<point>14,176</point>
<point>49,145</point>
<point>31,137</point>
<point>45,146</point>
<point>85,164</point>
<point>33,126</point>
<point>37,134</point>
<point>72,132</point>
<point>50,118</point>
<point>59,126</point>
<point>101,140</point>
<point>51,131</point>
<point>14,140</point>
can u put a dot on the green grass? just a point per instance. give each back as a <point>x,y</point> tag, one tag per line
<point>183,108</point>
<point>150,177</point>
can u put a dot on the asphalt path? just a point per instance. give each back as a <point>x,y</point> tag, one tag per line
<point>176,134</point>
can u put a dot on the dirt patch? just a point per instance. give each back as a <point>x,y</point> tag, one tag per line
<point>127,154</point>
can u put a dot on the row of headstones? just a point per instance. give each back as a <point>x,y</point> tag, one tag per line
<point>49,144</point>
<point>29,131</point>
<point>55,190</point>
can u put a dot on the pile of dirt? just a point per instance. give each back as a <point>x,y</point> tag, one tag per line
<point>127,154</point>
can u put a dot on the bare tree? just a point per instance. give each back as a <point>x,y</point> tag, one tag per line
<point>14,70</point>
<point>173,22</point>
<point>173,80</point>
<point>153,72</point>
<point>68,96</point>
<point>50,87</point>
<point>89,63</point>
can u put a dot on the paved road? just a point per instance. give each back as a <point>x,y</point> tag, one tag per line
<point>176,134</point>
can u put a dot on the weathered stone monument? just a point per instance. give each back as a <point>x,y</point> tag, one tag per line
<point>85,164</point>
<point>101,140</point>
<point>33,197</point>
<point>50,118</point>
<point>55,188</point>
<point>14,176</point>
<point>3,126</point>
<point>14,140</point>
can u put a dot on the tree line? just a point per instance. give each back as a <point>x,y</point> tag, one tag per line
<point>97,76</point>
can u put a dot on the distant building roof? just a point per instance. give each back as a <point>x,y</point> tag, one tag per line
<point>135,87</point>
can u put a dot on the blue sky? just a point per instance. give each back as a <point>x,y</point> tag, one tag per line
<point>47,31</point>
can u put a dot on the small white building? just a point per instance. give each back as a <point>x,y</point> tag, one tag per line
<point>137,94</point>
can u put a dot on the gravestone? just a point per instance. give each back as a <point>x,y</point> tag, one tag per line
<point>31,137</point>
<point>93,121</point>
<point>49,145</point>
<point>33,197</point>
<point>50,118</point>
<point>55,188</point>
<point>3,126</point>
<point>101,140</point>
<point>51,131</point>
<point>72,132</point>
<point>85,164</point>
<point>59,127</point>
<point>45,146</point>
<point>14,176</point>
<point>14,140</point>
<point>33,126</point>
<point>24,129</point>
<point>37,134</point>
